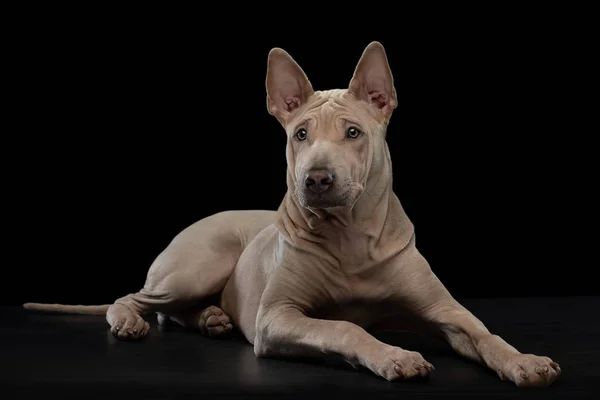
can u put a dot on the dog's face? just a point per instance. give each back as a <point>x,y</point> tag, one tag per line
<point>335,137</point>
<point>330,142</point>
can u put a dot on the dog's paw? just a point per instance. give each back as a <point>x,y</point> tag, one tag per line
<point>399,364</point>
<point>126,325</point>
<point>214,322</point>
<point>530,370</point>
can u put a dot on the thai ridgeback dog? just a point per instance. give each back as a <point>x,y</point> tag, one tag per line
<point>337,258</point>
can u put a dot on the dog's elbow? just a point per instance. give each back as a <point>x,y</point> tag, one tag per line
<point>262,343</point>
<point>275,332</point>
<point>260,349</point>
<point>268,336</point>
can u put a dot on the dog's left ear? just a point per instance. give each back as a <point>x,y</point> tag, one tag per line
<point>373,81</point>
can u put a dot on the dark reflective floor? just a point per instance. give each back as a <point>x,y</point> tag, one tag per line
<point>75,356</point>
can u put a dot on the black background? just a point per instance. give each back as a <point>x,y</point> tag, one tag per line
<point>129,130</point>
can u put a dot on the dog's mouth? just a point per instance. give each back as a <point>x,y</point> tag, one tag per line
<point>328,199</point>
<point>313,200</point>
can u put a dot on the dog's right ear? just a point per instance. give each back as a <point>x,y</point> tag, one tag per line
<point>287,85</point>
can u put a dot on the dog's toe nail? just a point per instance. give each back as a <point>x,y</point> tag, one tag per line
<point>524,375</point>
<point>545,368</point>
<point>538,370</point>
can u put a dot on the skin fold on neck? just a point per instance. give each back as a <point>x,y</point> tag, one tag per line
<point>376,220</point>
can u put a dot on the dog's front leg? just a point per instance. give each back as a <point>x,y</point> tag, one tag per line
<point>420,291</point>
<point>469,337</point>
<point>286,331</point>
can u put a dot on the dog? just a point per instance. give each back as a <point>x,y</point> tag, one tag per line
<point>337,258</point>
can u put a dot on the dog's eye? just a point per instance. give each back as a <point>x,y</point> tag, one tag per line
<point>353,133</point>
<point>301,134</point>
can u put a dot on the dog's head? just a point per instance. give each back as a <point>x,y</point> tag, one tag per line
<point>336,138</point>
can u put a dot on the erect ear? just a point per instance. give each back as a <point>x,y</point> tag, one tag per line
<point>287,85</point>
<point>372,80</point>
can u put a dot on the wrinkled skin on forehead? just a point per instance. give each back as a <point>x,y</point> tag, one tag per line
<point>326,118</point>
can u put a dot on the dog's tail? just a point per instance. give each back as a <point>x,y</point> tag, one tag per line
<point>68,309</point>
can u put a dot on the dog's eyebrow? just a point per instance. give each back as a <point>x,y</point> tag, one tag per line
<point>300,123</point>
<point>351,122</point>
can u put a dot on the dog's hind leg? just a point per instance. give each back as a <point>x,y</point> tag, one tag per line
<point>211,321</point>
<point>194,266</point>
<point>174,283</point>
<point>125,315</point>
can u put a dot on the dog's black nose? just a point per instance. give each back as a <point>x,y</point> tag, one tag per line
<point>319,180</point>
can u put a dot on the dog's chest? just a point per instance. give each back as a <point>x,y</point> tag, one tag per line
<point>355,298</point>
<point>351,291</point>
<point>353,251</point>
<point>361,313</point>
<point>358,270</point>
<point>352,287</point>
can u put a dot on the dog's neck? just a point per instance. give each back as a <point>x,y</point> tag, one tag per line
<point>377,217</point>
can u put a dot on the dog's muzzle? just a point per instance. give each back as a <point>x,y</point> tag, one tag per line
<point>319,180</point>
<point>320,190</point>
